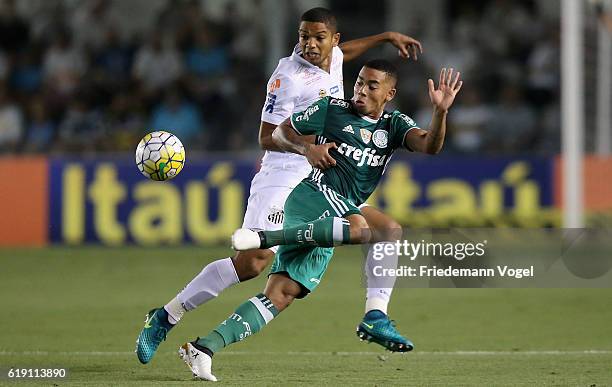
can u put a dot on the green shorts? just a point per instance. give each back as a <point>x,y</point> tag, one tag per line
<point>307,202</point>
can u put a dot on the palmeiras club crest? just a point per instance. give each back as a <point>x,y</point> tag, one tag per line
<point>380,138</point>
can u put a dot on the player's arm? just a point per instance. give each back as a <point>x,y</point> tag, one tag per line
<point>428,141</point>
<point>287,139</point>
<point>294,135</point>
<point>282,94</point>
<point>406,45</point>
<point>265,137</point>
<point>442,98</point>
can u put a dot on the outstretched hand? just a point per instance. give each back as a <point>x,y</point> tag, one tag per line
<point>443,97</point>
<point>406,46</point>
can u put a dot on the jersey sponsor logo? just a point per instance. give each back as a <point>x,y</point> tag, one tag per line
<point>366,156</point>
<point>349,129</point>
<point>322,93</point>
<point>274,85</point>
<point>276,216</point>
<point>339,102</point>
<point>366,135</point>
<point>270,102</point>
<point>334,90</point>
<point>408,120</point>
<point>380,138</point>
<point>305,116</point>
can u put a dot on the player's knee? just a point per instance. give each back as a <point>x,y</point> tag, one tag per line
<point>359,229</point>
<point>281,290</point>
<point>249,264</point>
<point>281,299</point>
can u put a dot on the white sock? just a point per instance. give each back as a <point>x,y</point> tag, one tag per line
<point>377,299</point>
<point>212,280</point>
<point>175,310</point>
<point>380,288</point>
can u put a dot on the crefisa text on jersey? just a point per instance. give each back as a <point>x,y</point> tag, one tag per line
<point>369,154</point>
<point>306,115</point>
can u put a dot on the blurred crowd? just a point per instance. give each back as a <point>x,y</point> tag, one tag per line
<point>508,54</point>
<point>71,82</point>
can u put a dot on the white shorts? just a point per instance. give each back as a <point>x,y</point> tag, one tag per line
<point>269,191</point>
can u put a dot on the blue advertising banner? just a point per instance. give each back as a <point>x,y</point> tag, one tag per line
<point>106,200</point>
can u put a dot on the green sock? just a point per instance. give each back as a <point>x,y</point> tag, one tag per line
<point>247,320</point>
<point>325,232</point>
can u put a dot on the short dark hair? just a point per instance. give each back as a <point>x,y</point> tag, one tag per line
<point>383,65</point>
<point>321,15</point>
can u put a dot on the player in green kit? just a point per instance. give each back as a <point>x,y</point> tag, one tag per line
<point>354,141</point>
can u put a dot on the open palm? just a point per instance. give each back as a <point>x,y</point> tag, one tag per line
<point>443,96</point>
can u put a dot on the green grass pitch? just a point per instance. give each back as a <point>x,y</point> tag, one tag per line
<point>82,308</point>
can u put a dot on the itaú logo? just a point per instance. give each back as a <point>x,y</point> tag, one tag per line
<point>366,156</point>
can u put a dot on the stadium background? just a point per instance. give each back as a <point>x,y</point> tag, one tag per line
<point>82,81</point>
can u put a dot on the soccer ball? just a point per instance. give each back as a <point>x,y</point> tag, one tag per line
<point>160,156</point>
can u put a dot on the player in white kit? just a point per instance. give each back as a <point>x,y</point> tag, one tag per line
<point>313,71</point>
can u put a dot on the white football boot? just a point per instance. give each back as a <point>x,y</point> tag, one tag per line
<point>198,362</point>
<point>245,239</point>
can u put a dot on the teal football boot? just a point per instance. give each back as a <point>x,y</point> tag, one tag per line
<point>377,328</point>
<point>154,332</point>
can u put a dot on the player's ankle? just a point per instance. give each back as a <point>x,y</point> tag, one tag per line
<point>175,310</point>
<point>202,348</point>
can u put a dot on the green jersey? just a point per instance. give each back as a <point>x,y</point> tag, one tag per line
<point>365,146</point>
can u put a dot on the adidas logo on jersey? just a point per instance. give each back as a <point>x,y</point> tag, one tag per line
<point>348,129</point>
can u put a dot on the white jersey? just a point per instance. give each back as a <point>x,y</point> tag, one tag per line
<point>295,85</point>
